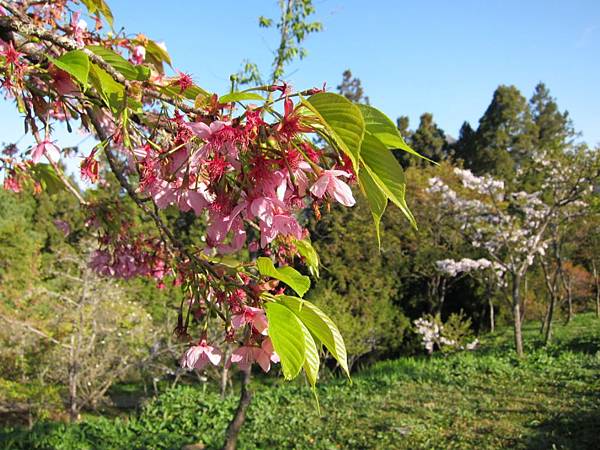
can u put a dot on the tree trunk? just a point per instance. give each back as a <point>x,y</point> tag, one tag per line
<point>441,296</point>
<point>566,282</point>
<point>548,334</point>
<point>225,373</point>
<point>569,301</point>
<point>490,306</point>
<point>524,299</point>
<point>492,320</point>
<point>516,303</point>
<point>234,427</point>
<point>72,375</point>
<point>597,283</point>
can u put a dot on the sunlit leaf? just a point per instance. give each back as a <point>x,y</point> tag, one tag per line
<point>120,64</point>
<point>386,172</point>
<point>376,199</point>
<point>290,276</point>
<point>76,63</point>
<point>343,120</point>
<point>382,127</point>
<point>308,252</point>
<point>240,97</point>
<point>288,338</point>
<point>320,325</point>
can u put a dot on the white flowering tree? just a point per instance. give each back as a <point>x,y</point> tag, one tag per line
<point>510,226</point>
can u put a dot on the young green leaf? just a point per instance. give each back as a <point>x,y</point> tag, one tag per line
<point>382,127</point>
<point>99,6</point>
<point>290,276</point>
<point>156,55</point>
<point>309,254</point>
<point>76,63</point>
<point>120,64</point>
<point>376,199</point>
<point>320,325</point>
<point>111,92</point>
<point>386,172</point>
<point>343,120</point>
<point>312,362</point>
<point>240,96</point>
<point>288,338</point>
<point>47,177</point>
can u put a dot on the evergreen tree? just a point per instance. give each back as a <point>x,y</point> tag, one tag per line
<point>351,88</point>
<point>465,147</point>
<point>429,140</point>
<point>505,136</point>
<point>403,123</point>
<point>554,128</point>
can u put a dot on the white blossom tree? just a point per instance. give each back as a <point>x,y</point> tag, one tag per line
<point>509,226</point>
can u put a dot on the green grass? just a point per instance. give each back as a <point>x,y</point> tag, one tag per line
<point>484,399</point>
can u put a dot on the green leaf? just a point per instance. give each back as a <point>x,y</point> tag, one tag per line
<point>120,64</point>
<point>47,177</point>
<point>156,55</point>
<point>99,6</point>
<point>312,361</point>
<point>343,121</point>
<point>112,93</point>
<point>386,172</point>
<point>376,199</point>
<point>240,97</point>
<point>290,276</point>
<point>320,325</point>
<point>194,91</point>
<point>308,252</point>
<point>76,63</point>
<point>288,338</point>
<point>190,93</point>
<point>382,127</point>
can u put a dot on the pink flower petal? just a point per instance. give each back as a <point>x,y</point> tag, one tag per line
<point>320,187</point>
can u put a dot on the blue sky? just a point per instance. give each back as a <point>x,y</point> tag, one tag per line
<point>445,57</point>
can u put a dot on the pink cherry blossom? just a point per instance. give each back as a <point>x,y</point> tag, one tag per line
<point>45,148</point>
<point>253,316</point>
<point>264,355</point>
<point>329,182</point>
<point>198,356</point>
<point>139,54</point>
<point>284,224</point>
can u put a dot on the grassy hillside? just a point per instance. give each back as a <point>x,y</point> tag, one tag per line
<point>484,399</point>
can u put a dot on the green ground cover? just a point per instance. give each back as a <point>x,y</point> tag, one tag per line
<point>483,399</point>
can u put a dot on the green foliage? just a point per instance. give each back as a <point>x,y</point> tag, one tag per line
<point>296,326</point>
<point>20,246</point>
<point>382,127</point>
<point>112,93</point>
<point>311,257</point>
<point>320,326</point>
<point>358,282</point>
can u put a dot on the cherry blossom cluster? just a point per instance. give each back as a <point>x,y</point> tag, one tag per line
<point>248,172</point>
